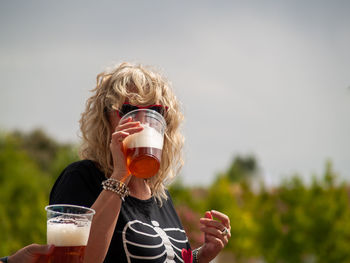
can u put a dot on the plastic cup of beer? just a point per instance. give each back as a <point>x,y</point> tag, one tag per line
<point>68,228</point>
<point>143,150</point>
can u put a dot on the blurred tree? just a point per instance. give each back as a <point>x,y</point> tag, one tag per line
<point>22,197</point>
<point>242,168</point>
<point>51,156</point>
<point>180,194</point>
<point>39,146</point>
<point>300,223</point>
<point>293,222</point>
<point>26,160</point>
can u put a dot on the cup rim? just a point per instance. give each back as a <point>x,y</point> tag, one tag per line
<point>161,119</point>
<point>90,211</point>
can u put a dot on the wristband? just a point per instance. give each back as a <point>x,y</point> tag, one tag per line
<point>3,260</point>
<point>195,255</point>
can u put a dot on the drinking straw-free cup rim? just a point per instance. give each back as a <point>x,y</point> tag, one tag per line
<point>160,116</point>
<point>90,211</point>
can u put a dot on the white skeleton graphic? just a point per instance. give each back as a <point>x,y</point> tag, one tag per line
<point>157,242</point>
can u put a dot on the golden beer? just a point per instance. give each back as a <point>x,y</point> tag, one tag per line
<point>73,254</point>
<point>143,162</point>
<point>143,150</point>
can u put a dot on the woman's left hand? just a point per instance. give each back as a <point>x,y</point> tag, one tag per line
<point>216,235</point>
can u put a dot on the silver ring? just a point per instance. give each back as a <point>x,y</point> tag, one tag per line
<point>224,232</point>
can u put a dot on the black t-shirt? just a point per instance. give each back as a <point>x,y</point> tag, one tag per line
<point>145,231</point>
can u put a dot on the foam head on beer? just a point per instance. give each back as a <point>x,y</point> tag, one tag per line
<point>148,137</point>
<point>143,152</point>
<point>68,232</point>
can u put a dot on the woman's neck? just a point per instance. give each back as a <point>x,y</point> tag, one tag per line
<point>139,188</point>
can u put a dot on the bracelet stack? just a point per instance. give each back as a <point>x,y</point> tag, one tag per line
<point>117,187</point>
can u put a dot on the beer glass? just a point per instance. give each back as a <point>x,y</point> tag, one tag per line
<point>143,150</point>
<point>68,228</point>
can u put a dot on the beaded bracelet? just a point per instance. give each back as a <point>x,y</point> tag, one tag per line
<point>195,255</point>
<point>117,187</point>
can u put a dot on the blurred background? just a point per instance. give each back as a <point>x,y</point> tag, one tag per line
<point>265,89</point>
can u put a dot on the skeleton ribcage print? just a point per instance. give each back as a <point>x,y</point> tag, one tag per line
<point>151,243</point>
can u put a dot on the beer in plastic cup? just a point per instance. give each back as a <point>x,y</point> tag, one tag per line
<point>143,150</point>
<point>68,228</point>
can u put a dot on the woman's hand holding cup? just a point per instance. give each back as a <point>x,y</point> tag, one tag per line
<point>124,128</point>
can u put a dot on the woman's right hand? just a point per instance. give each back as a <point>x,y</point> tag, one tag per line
<point>124,128</point>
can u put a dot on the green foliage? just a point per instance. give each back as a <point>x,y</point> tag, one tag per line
<point>299,222</point>
<point>183,195</point>
<point>39,146</point>
<point>29,164</point>
<point>293,222</point>
<point>22,197</point>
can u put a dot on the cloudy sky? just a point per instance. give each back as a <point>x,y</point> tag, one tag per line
<point>269,78</point>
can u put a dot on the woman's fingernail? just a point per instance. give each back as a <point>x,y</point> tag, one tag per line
<point>208,215</point>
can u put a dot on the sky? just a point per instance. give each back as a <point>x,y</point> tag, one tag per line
<point>263,78</point>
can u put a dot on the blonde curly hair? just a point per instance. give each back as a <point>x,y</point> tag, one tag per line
<point>139,85</point>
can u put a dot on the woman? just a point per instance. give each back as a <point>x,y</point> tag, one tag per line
<point>137,222</point>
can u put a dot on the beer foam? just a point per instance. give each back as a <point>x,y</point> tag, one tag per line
<point>68,234</point>
<point>148,137</point>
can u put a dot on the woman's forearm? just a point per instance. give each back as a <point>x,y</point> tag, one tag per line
<point>107,207</point>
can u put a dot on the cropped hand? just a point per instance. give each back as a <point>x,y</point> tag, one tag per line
<point>215,235</point>
<point>33,253</point>
<point>123,129</point>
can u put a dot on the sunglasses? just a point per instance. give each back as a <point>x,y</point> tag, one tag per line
<point>126,108</point>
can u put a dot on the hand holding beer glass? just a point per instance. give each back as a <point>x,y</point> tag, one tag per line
<point>143,150</point>
<point>68,228</point>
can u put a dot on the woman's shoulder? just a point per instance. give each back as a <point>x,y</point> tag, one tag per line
<point>79,183</point>
<point>81,170</point>
<point>81,165</point>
